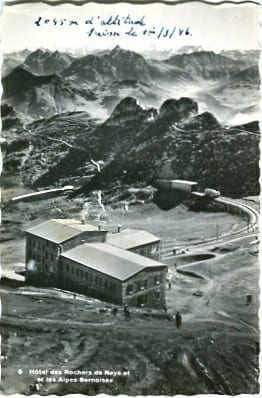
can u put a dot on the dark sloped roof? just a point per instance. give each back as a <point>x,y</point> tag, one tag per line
<point>54,231</point>
<point>110,260</point>
<point>131,238</point>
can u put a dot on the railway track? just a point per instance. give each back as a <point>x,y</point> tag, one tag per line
<point>250,228</point>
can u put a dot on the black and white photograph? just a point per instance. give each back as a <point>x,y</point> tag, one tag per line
<point>130,198</point>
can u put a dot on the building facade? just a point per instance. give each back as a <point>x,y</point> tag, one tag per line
<point>46,242</point>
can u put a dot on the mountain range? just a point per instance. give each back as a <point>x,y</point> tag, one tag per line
<point>96,82</point>
<point>141,119</point>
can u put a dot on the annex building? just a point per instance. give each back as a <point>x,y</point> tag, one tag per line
<point>120,267</point>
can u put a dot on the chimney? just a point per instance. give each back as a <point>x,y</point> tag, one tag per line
<point>119,228</point>
<point>83,221</point>
<point>99,227</point>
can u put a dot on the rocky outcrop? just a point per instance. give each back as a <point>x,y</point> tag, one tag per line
<point>205,120</point>
<point>127,110</point>
<point>177,110</point>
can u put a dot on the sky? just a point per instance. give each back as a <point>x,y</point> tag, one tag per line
<point>158,27</point>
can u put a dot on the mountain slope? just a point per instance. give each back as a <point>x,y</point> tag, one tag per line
<point>138,146</point>
<point>196,148</point>
<point>41,96</point>
<point>21,80</point>
<point>205,64</point>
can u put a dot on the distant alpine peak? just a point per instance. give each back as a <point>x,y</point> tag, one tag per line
<point>116,48</point>
<point>119,51</point>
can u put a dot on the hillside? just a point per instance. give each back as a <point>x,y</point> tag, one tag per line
<point>40,96</point>
<point>204,64</point>
<point>173,142</point>
<point>196,148</point>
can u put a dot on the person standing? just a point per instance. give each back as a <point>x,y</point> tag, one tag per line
<point>178,320</point>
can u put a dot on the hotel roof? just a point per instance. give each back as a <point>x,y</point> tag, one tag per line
<point>54,231</point>
<point>107,259</point>
<point>131,238</point>
<point>71,222</point>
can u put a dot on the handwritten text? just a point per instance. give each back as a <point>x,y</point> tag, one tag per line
<point>116,25</point>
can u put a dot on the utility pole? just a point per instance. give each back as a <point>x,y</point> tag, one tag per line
<point>217,231</point>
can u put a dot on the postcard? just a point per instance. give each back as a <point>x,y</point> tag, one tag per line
<point>130,198</point>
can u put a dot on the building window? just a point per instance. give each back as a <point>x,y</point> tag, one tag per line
<point>91,278</point>
<point>114,287</point>
<point>138,286</point>
<point>96,280</point>
<point>105,283</point>
<point>67,267</point>
<point>100,281</point>
<point>77,272</point>
<point>72,270</point>
<point>145,283</point>
<point>157,295</point>
<point>86,275</point>
<point>156,280</point>
<point>129,289</point>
